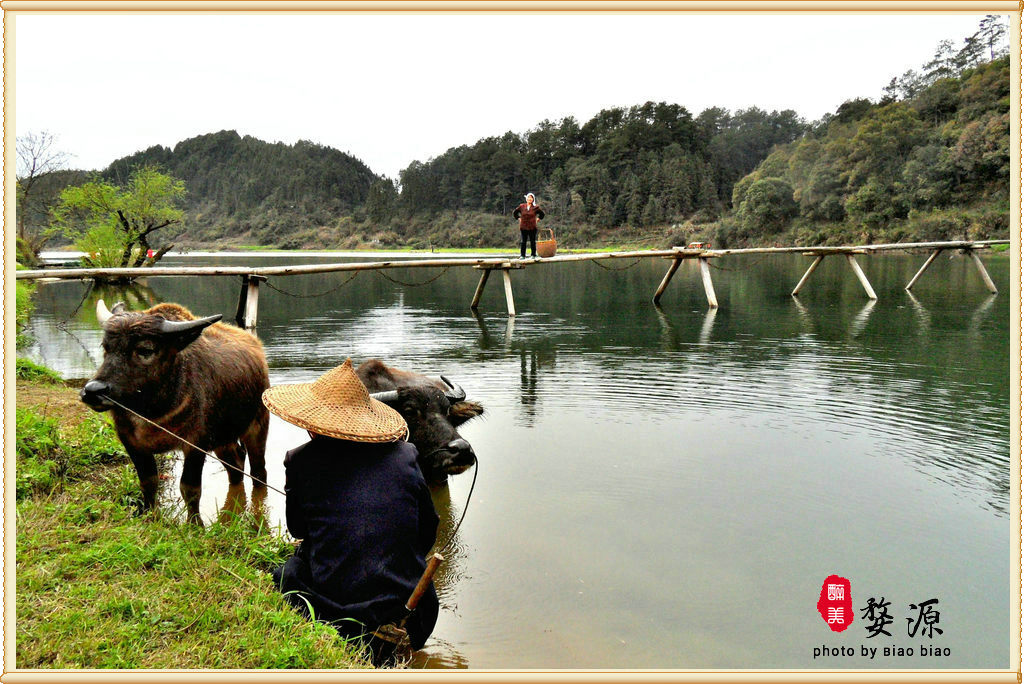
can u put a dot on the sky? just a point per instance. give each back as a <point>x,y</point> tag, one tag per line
<point>394,88</point>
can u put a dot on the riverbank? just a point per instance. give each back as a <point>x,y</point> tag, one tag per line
<point>99,586</point>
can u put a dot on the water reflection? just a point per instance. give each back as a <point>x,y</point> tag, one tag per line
<point>923,317</point>
<point>861,319</point>
<point>705,329</point>
<point>237,505</point>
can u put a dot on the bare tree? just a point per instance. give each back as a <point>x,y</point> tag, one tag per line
<point>38,156</point>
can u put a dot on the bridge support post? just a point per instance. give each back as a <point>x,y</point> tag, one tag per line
<point>487,268</point>
<point>484,275</point>
<point>803,281</point>
<point>248,302</point>
<point>861,277</point>
<point>709,288</point>
<point>981,270</point>
<point>923,268</point>
<point>673,267</point>
<point>508,292</point>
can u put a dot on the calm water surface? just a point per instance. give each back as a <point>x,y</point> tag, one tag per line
<point>669,487</point>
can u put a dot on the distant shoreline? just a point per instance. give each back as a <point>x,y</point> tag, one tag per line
<point>58,255</point>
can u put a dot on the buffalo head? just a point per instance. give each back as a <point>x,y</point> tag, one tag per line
<point>139,353</point>
<point>433,408</point>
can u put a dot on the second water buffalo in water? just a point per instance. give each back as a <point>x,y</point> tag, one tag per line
<point>198,379</point>
<point>433,408</point>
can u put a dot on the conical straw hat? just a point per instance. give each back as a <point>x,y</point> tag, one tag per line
<point>337,405</point>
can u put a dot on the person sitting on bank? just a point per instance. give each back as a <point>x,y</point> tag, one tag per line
<point>528,212</point>
<point>359,503</point>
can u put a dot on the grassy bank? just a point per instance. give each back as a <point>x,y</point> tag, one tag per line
<point>99,586</point>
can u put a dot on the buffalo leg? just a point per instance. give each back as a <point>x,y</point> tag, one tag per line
<point>149,481</point>
<point>233,455</point>
<point>191,484</point>
<point>255,441</point>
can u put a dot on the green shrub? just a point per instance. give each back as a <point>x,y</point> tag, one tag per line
<point>26,369</point>
<point>23,308</point>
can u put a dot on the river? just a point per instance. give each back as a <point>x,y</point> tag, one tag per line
<point>669,487</point>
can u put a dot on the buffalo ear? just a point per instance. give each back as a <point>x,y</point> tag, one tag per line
<point>180,334</point>
<point>462,411</point>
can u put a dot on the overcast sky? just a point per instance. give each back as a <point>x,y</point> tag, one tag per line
<point>391,88</point>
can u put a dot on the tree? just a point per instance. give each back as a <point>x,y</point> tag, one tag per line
<point>943,64</point>
<point>113,224</point>
<point>37,157</point>
<point>767,207</point>
<point>991,32</point>
<point>381,200</point>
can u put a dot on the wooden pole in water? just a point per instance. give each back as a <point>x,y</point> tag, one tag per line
<point>709,288</point>
<point>252,298</point>
<point>928,263</point>
<point>508,292</point>
<point>240,309</point>
<point>814,265</point>
<point>480,288</point>
<point>984,274</point>
<point>673,267</point>
<point>860,276</point>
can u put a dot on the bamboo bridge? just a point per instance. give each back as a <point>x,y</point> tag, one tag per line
<point>252,276</point>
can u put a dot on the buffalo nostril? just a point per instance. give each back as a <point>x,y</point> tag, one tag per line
<point>461,447</point>
<point>94,387</point>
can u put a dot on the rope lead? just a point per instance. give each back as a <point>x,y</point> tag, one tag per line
<point>476,467</point>
<point>185,441</point>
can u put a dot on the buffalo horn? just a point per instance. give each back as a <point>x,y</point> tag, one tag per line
<point>119,308</point>
<point>179,327</point>
<point>454,392</point>
<point>102,312</point>
<point>385,397</point>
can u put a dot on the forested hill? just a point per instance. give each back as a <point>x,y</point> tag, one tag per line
<point>638,166</point>
<point>930,161</point>
<point>245,188</point>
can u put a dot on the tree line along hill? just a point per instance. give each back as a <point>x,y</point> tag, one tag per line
<point>928,161</point>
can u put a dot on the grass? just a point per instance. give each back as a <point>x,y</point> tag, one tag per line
<point>26,369</point>
<point>23,307</point>
<point>101,586</point>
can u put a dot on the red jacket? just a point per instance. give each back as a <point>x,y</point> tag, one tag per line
<point>528,216</point>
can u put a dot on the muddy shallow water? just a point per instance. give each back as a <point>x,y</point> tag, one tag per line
<point>669,487</point>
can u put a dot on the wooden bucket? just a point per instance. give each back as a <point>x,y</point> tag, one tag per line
<point>546,244</point>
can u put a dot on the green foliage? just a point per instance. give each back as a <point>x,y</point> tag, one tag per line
<point>23,308</point>
<point>100,587</point>
<point>930,167</point>
<point>113,224</point>
<point>49,455</point>
<point>644,165</point>
<point>245,187</point>
<point>30,371</point>
<point>767,207</point>
<point>104,246</point>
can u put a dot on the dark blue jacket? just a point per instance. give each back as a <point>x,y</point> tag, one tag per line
<point>366,521</point>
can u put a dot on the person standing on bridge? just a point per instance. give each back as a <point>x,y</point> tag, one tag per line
<point>528,212</point>
<point>358,501</point>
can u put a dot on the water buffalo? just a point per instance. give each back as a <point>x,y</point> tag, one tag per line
<point>199,379</point>
<point>433,408</point>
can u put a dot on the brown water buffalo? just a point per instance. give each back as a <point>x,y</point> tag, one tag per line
<point>199,379</point>
<point>433,409</point>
